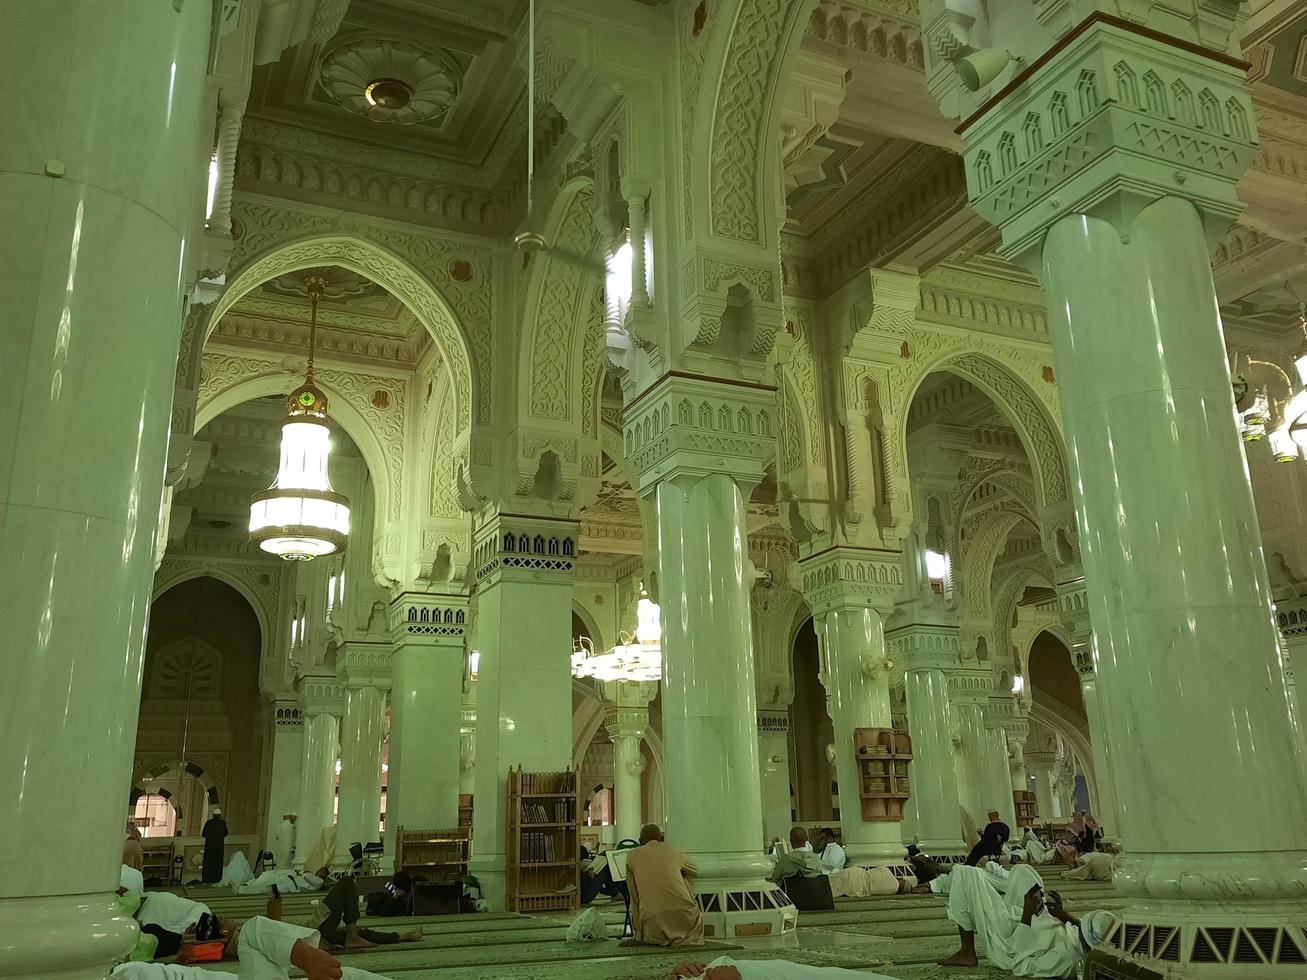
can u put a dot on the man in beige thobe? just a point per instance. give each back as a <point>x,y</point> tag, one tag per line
<point>664,911</point>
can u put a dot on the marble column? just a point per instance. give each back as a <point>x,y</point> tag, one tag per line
<point>98,172</point>
<point>1015,731</point>
<point>698,483</point>
<point>841,586</point>
<point>467,751</point>
<point>364,669</point>
<point>627,729</point>
<point>982,762</point>
<point>322,700</point>
<point>428,635</point>
<point>930,654</point>
<point>1189,668</point>
<point>524,571</point>
<point>287,760</point>
<point>997,717</point>
<point>774,762</point>
<point>1041,768</point>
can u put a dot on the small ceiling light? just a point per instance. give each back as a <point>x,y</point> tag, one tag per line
<point>388,93</point>
<point>300,517</point>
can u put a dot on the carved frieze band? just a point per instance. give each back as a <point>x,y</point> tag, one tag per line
<point>524,547</point>
<point>841,578</point>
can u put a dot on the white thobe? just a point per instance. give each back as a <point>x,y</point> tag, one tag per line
<point>833,858</point>
<point>283,845</point>
<point>1045,948</point>
<point>994,873</point>
<point>169,911</point>
<point>286,881</point>
<point>265,948</point>
<point>785,970</point>
<point>132,880</point>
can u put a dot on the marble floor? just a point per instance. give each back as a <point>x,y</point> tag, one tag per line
<point>901,936</point>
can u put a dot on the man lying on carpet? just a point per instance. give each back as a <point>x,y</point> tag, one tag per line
<point>266,949</point>
<point>1020,932</point>
<point>725,968</point>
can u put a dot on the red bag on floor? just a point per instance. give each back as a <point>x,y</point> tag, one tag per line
<point>210,952</point>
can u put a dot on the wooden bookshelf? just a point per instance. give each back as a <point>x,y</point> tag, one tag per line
<point>157,859</point>
<point>465,811</point>
<point>544,841</point>
<point>1026,807</point>
<point>436,855</point>
<point>884,757</point>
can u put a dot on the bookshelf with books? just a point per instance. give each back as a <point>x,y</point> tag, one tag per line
<point>544,827</point>
<point>465,811</point>
<point>1026,807</point>
<point>436,855</point>
<point>884,757</point>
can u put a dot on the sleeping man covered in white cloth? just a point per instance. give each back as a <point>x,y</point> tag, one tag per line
<point>266,949</point>
<point>725,968</point>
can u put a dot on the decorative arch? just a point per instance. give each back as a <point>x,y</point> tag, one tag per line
<point>752,48</point>
<point>381,265</point>
<point>559,369</point>
<point>979,552</point>
<point>1074,737</point>
<point>1007,378</point>
<point>582,613</point>
<point>191,769</point>
<point>384,467</point>
<point>263,598</point>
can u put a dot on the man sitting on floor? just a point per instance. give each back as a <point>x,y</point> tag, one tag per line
<point>664,911</point>
<point>267,949</point>
<point>833,858</point>
<point>992,840</point>
<point>798,860</point>
<point>342,903</point>
<point>1032,939</point>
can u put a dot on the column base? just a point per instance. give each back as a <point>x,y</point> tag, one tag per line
<point>1215,915</point>
<point>64,937</point>
<point>734,912</point>
<point>493,879</point>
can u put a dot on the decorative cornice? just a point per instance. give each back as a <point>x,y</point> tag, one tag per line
<point>364,664</point>
<point>1106,125</point>
<point>925,648</point>
<point>843,578</point>
<point>690,426</point>
<point>428,619</point>
<point>773,722</point>
<point>321,696</point>
<point>524,548</point>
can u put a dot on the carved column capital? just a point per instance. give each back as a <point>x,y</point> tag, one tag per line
<point>843,578</point>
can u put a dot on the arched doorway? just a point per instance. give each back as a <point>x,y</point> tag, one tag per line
<point>199,740</point>
<point>811,776</point>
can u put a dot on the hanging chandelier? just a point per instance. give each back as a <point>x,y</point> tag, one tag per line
<point>300,517</point>
<point>640,658</point>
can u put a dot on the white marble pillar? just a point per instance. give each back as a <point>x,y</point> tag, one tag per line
<point>856,677</point>
<point>930,654</point>
<point>364,669</point>
<point>1167,518</point>
<point>1189,667</point>
<point>998,772</point>
<point>467,751</point>
<point>287,762</point>
<point>97,189</point>
<point>626,728</point>
<point>524,570</point>
<point>983,781</point>
<point>774,762</point>
<point>427,632</point>
<point>1042,769</point>
<point>704,582</point>
<point>322,700</point>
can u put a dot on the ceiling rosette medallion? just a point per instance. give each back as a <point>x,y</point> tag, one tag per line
<point>391,80</point>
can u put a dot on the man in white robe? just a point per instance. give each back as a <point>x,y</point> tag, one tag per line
<point>1019,932</point>
<point>833,858</point>
<point>266,950</point>
<point>283,842</point>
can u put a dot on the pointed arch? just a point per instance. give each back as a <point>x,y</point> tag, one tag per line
<point>382,266</point>
<point>262,601</point>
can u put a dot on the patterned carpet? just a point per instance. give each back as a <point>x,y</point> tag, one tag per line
<point>901,936</point>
